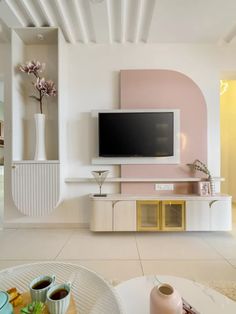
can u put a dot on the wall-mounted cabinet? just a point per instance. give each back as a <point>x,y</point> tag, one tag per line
<point>102,216</point>
<point>209,215</point>
<point>36,187</point>
<point>124,216</point>
<point>45,45</point>
<point>161,213</point>
<point>115,215</point>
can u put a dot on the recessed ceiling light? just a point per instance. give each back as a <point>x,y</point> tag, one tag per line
<point>40,36</point>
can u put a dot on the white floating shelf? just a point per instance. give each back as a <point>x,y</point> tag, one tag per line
<point>110,179</point>
<point>35,161</point>
<point>171,160</point>
<point>169,197</point>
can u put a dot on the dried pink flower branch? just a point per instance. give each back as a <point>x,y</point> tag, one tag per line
<point>32,67</point>
<point>44,87</point>
<point>200,166</point>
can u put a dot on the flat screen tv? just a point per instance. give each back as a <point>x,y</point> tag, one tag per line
<point>136,134</point>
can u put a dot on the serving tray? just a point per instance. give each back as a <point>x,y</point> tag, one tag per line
<point>27,299</point>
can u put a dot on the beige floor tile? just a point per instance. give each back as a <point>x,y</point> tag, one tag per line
<point>88,245</point>
<point>174,246</point>
<point>43,244</point>
<point>232,262</point>
<point>6,235</point>
<point>195,270</point>
<point>223,242</point>
<point>113,270</point>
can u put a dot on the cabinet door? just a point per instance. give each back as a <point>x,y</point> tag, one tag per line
<point>36,187</point>
<point>148,214</point>
<point>197,216</point>
<point>220,215</point>
<point>101,219</point>
<point>173,215</point>
<point>124,216</point>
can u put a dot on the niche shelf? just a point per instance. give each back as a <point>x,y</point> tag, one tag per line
<point>27,46</point>
<point>36,185</point>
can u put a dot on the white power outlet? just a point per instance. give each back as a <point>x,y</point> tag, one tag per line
<point>164,187</point>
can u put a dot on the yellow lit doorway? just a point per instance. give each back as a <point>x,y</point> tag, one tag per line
<point>228,136</point>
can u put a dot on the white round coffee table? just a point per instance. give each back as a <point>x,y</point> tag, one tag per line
<point>134,295</point>
<point>92,294</point>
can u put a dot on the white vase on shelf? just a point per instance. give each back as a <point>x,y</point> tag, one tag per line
<point>40,150</point>
<point>212,185</point>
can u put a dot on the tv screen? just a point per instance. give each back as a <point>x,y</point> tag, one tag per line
<point>136,134</point>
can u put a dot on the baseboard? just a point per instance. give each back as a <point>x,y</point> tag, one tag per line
<point>10,225</point>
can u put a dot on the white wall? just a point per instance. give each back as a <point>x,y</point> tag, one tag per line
<point>93,72</point>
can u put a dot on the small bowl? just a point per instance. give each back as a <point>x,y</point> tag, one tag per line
<point>5,305</point>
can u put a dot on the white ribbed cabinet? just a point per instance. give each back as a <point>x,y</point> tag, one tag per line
<point>36,185</point>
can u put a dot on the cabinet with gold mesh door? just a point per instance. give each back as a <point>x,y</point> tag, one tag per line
<point>148,216</point>
<point>173,215</point>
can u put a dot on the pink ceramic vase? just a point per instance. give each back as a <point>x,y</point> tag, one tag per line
<point>165,299</point>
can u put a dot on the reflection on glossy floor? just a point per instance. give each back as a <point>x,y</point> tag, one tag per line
<point>203,256</point>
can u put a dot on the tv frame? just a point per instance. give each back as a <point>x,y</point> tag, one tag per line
<point>175,159</point>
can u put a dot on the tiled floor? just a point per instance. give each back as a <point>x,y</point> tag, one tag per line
<point>202,256</point>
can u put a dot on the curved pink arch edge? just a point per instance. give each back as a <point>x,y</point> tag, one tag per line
<point>166,89</point>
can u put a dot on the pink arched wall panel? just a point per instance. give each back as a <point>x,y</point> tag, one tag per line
<point>166,89</point>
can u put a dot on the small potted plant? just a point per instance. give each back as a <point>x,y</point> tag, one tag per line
<point>43,88</point>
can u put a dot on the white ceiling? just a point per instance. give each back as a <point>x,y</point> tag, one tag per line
<point>135,21</point>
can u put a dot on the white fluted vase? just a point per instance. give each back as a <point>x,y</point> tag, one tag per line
<point>40,150</point>
<point>212,186</point>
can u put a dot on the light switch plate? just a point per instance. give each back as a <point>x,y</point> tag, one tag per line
<point>164,187</point>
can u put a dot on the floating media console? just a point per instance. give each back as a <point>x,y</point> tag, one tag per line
<point>118,212</point>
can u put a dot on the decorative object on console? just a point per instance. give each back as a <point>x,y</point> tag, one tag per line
<point>200,166</point>
<point>44,88</point>
<point>100,177</point>
<point>165,299</point>
<point>204,188</point>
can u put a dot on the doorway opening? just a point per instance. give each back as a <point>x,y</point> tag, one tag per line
<point>228,136</point>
